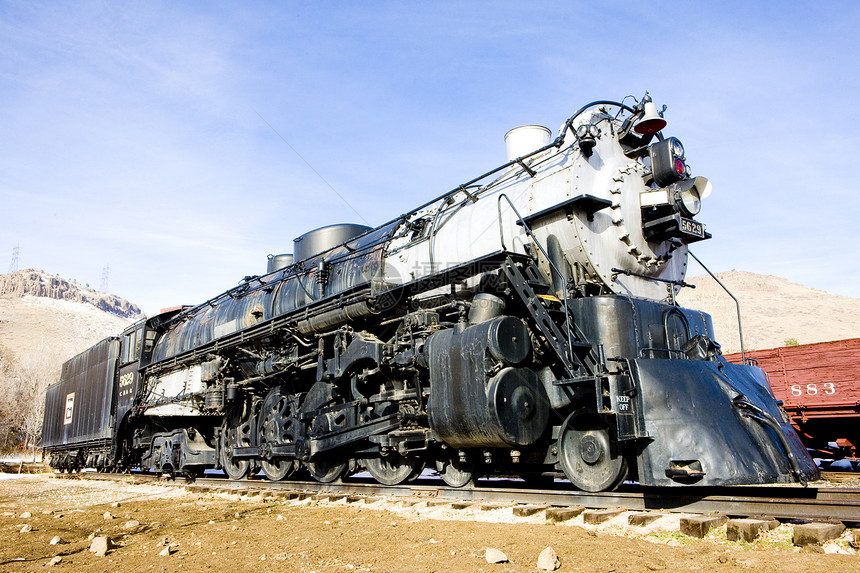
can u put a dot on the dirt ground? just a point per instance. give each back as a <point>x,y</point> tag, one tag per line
<point>220,532</point>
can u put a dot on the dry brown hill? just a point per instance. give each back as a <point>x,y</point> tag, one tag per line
<point>773,310</point>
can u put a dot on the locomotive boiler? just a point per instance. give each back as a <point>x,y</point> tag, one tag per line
<point>522,324</point>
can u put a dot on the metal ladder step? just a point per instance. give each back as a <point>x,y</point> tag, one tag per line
<point>570,352</point>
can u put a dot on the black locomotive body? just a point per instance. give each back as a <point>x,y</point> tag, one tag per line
<point>524,327</point>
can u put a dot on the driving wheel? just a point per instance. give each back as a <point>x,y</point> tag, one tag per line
<point>326,470</point>
<point>276,429</point>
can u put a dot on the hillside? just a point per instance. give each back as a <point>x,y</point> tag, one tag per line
<point>42,313</point>
<point>773,309</point>
<point>60,328</point>
<point>41,284</point>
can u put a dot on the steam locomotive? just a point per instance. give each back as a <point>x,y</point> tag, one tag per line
<point>523,324</point>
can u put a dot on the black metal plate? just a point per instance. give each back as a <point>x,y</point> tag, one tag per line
<point>691,227</point>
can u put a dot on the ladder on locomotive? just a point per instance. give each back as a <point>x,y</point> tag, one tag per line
<point>584,363</point>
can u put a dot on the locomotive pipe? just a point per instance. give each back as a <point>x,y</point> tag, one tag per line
<point>334,318</point>
<point>567,125</point>
<point>570,365</point>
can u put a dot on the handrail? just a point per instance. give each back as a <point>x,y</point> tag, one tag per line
<point>737,303</point>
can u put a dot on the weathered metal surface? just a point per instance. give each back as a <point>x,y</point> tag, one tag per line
<point>691,408</point>
<point>321,240</point>
<point>471,408</point>
<point>278,262</point>
<point>259,299</point>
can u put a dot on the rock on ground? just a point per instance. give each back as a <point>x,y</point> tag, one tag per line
<point>101,545</point>
<point>548,560</point>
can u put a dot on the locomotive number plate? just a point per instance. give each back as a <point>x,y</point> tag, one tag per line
<point>691,227</point>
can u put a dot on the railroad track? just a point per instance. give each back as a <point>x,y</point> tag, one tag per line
<point>846,476</point>
<point>786,503</point>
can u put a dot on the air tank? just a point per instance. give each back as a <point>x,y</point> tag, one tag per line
<point>321,240</point>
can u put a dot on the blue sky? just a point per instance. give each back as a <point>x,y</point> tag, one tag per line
<point>131,135</point>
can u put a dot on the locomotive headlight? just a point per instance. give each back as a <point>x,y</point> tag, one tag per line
<point>668,212</point>
<point>687,195</point>
<point>586,135</point>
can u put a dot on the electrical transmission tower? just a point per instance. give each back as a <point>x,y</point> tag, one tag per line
<point>105,277</point>
<point>13,266</point>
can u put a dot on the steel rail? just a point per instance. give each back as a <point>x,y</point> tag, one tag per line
<point>779,502</point>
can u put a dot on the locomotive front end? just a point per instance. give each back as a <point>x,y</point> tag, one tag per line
<point>673,407</point>
<point>624,382</point>
<point>715,423</point>
<point>651,398</point>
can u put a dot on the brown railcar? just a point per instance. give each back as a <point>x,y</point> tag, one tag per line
<point>819,385</point>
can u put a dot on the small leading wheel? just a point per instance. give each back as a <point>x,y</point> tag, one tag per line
<point>588,457</point>
<point>394,469</point>
<point>326,471</point>
<point>455,473</point>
